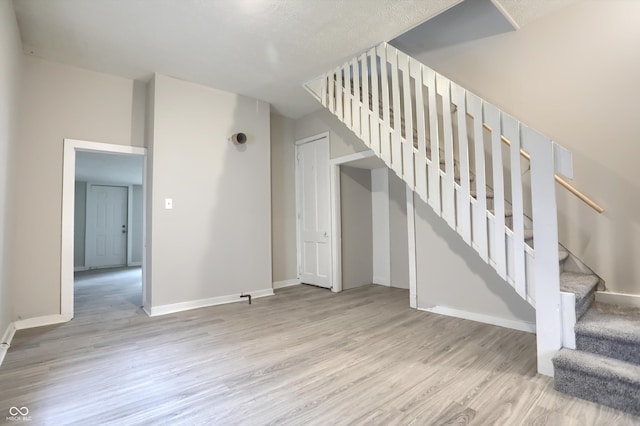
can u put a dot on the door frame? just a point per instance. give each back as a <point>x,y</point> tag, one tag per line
<point>71,146</point>
<point>335,280</point>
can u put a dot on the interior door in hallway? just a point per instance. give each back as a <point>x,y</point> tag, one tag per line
<point>314,212</point>
<point>106,233</point>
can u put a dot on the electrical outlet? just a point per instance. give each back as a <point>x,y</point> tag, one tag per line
<point>168,203</point>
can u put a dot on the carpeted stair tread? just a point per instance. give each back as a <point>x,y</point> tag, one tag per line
<point>599,379</point>
<point>583,286</point>
<point>611,331</point>
<point>507,212</point>
<point>580,284</point>
<point>488,193</point>
<point>562,255</point>
<point>528,234</point>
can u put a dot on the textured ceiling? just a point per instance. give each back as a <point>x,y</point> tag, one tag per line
<point>264,49</point>
<point>522,12</point>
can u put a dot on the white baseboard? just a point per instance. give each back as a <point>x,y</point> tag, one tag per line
<point>487,319</point>
<point>203,303</point>
<point>42,321</point>
<point>5,341</point>
<point>285,283</point>
<point>630,300</point>
<point>568,312</point>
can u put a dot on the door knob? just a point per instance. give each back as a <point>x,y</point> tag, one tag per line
<point>326,234</point>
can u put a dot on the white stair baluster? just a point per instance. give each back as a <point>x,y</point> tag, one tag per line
<point>492,116</point>
<point>396,136</point>
<point>407,152</point>
<point>385,130</point>
<point>375,104</point>
<point>435,200</point>
<point>355,111</point>
<point>480,213</point>
<point>364,108</point>
<point>511,129</point>
<point>463,210</point>
<point>448,188</point>
<point>421,156</point>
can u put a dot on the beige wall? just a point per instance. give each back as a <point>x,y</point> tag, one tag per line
<point>10,72</point>
<point>573,75</point>
<point>57,102</point>
<point>357,237</point>
<point>216,241</point>
<point>283,198</point>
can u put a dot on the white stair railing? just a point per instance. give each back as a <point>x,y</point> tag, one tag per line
<point>446,144</point>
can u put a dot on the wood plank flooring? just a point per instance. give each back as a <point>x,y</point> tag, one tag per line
<point>304,356</point>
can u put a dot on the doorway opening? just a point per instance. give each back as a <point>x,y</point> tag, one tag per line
<point>103,224</point>
<point>354,220</point>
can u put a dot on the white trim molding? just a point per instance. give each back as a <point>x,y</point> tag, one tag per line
<point>71,146</point>
<point>568,311</point>
<point>629,300</point>
<point>5,343</point>
<point>529,327</point>
<point>313,138</point>
<point>204,303</point>
<point>42,321</point>
<point>352,157</point>
<point>411,241</point>
<point>286,283</point>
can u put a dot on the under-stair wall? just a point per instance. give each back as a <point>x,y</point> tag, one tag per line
<point>392,101</point>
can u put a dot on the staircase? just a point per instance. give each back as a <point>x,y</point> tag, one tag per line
<point>489,176</point>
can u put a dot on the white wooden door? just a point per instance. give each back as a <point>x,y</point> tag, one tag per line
<point>314,212</point>
<point>106,226</point>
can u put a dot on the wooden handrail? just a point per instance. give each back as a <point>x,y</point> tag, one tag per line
<point>566,185</point>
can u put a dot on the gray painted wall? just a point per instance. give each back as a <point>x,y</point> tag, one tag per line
<point>216,241</point>
<point>10,75</point>
<point>357,238</point>
<point>80,223</point>
<point>398,231</point>
<point>136,224</point>
<point>451,274</point>
<point>283,198</point>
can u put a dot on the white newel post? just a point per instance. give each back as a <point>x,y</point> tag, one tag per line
<point>546,270</point>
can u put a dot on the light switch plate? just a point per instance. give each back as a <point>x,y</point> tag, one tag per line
<point>168,203</point>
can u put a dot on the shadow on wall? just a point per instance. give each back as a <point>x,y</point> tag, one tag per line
<point>479,19</point>
<point>452,274</point>
<point>238,257</point>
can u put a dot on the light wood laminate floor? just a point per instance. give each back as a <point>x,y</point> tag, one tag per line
<point>304,356</point>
